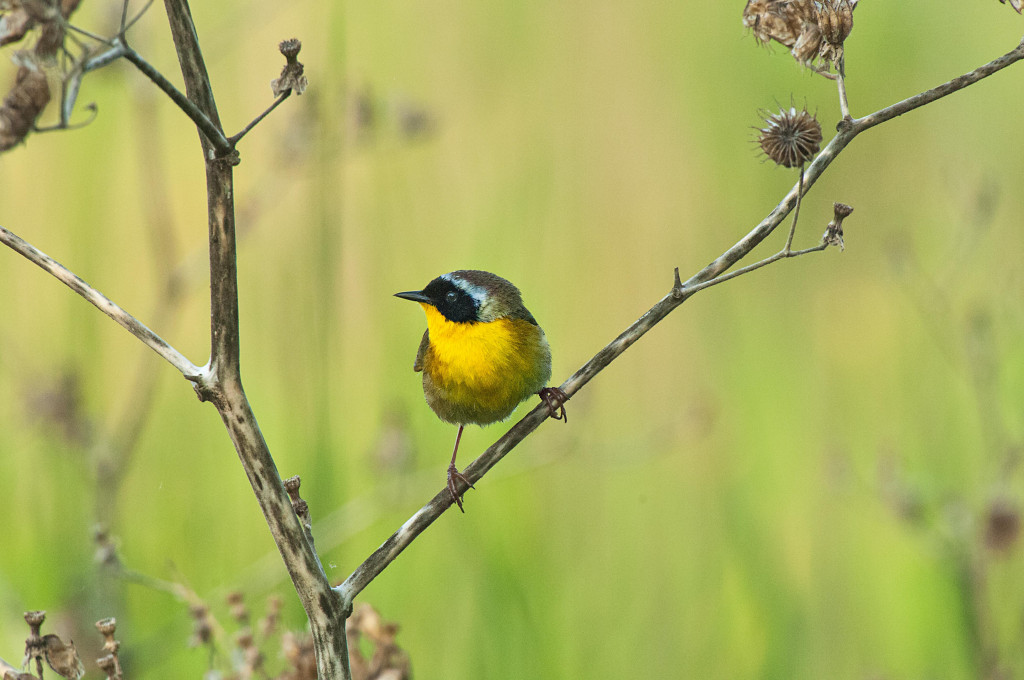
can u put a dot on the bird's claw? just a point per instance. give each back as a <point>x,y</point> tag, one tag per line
<point>555,399</point>
<point>454,474</point>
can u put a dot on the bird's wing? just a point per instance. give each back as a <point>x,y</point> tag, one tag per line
<point>422,351</point>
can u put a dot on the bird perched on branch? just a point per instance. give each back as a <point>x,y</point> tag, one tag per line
<point>482,354</point>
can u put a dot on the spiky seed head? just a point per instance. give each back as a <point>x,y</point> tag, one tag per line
<point>790,138</point>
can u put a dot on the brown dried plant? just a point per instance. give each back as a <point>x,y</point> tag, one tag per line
<point>813,31</point>
<point>25,101</point>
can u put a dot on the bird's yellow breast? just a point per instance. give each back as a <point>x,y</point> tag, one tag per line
<point>478,372</point>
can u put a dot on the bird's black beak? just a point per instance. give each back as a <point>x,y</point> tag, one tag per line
<point>415,296</point>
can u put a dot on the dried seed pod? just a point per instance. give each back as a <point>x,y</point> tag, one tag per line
<point>790,138</point>
<point>793,23</point>
<point>62,657</point>
<point>202,625</point>
<point>811,29</point>
<point>1002,525</point>
<point>834,231</point>
<point>808,45</point>
<point>14,24</point>
<point>23,104</point>
<point>835,21</point>
<point>292,77</point>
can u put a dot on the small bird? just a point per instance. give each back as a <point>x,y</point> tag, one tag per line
<point>482,354</point>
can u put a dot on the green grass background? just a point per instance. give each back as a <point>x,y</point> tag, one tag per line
<point>788,478</point>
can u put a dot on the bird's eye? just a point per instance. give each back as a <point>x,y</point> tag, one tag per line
<point>451,297</point>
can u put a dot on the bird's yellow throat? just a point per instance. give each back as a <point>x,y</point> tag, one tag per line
<point>487,362</point>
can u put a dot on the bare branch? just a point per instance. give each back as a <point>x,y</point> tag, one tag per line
<point>712,274</point>
<point>796,212</point>
<point>322,606</point>
<point>947,88</point>
<point>103,303</point>
<point>138,15</point>
<point>235,138</point>
<point>210,129</point>
<point>844,103</point>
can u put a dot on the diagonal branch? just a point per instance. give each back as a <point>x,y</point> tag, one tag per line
<point>103,303</point>
<point>848,129</point>
<point>210,129</point>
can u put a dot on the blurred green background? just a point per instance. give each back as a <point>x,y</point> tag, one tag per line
<point>811,471</point>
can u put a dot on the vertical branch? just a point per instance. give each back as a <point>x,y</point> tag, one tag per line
<point>223,381</point>
<point>224,347</point>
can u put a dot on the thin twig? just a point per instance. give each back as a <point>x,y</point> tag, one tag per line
<point>138,15</point>
<point>844,104</point>
<point>781,255</point>
<point>72,29</point>
<point>796,211</point>
<point>100,60</point>
<point>234,139</point>
<point>210,131</point>
<point>65,125</point>
<point>103,303</point>
<point>706,277</point>
<point>124,16</point>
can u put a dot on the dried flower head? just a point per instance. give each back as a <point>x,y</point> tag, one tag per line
<point>202,625</point>
<point>239,611</point>
<point>268,624</point>
<point>1002,526</point>
<point>835,21</point>
<point>109,663</point>
<point>290,49</point>
<point>810,29</point>
<point>790,138</point>
<point>24,103</point>
<point>14,24</point>
<point>388,659</point>
<point>292,77</point>
<point>780,21</point>
<point>793,23</point>
<point>63,658</point>
<point>834,231</point>
<point>300,654</point>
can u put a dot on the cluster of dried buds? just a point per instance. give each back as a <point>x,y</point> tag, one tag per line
<point>366,628</point>
<point>812,30</point>
<point>31,91</point>
<point>61,656</point>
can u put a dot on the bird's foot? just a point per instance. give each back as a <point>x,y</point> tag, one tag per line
<point>453,475</point>
<point>555,398</point>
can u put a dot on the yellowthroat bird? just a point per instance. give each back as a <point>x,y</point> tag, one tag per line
<point>481,355</point>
